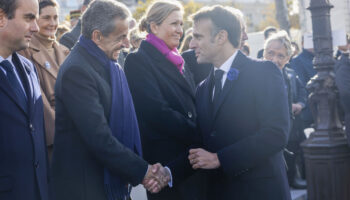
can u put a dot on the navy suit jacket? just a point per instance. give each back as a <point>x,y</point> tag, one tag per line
<point>248,129</point>
<point>23,157</point>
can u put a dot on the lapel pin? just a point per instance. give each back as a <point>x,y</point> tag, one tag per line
<point>47,65</point>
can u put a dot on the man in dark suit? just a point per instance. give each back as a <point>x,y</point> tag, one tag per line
<point>23,157</point>
<point>343,84</point>
<point>97,143</point>
<point>242,114</point>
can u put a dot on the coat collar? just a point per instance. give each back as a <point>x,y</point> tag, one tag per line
<point>43,59</point>
<point>165,66</point>
<point>4,84</point>
<point>95,63</point>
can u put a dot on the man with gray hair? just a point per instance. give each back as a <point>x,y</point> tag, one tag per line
<point>70,38</point>
<point>97,141</point>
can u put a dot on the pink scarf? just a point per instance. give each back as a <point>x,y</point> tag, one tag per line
<point>172,55</point>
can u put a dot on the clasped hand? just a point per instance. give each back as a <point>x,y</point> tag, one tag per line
<point>156,178</point>
<point>200,158</point>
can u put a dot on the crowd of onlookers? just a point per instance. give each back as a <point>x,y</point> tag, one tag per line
<point>165,108</point>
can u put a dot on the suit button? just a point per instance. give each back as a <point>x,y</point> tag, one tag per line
<point>189,114</point>
<point>36,164</point>
<point>213,134</point>
<point>31,127</point>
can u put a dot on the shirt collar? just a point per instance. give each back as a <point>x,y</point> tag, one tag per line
<point>227,64</point>
<point>9,59</point>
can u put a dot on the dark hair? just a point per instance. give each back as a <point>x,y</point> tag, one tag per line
<point>9,7</point>
<point>94,18</point>
<point>246,48</point>
<point>223,18</point>
<point>86,2</point>
<point>268,30</point>
<point>46,3</point>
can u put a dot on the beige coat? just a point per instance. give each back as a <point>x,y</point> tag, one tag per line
<point>47,69</point>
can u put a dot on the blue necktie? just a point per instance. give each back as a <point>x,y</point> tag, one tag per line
<point>14,82</point>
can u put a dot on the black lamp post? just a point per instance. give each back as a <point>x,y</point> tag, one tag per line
<point>327,155</point>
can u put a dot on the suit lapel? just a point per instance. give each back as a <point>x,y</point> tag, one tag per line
<point>237,63</point>
<point>6,87</point>
<point>41,57</point>
<point>28,82</point>
<point>166,67</point>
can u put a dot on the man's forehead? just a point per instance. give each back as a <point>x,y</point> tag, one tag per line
<point>28,7</point>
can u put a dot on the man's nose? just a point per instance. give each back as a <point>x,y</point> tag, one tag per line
<point>34,27</point>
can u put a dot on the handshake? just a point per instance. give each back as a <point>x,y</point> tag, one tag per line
<point>156,178</point>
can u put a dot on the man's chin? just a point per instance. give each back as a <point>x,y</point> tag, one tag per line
<point>22,46</point>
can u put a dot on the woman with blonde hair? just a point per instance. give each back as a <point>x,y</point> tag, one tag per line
<point>47,55</point>
<point>163,94</point>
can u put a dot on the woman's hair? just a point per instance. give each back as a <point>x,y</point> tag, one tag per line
<point>45,3</point>
<point>283,38</point>
<point>186,43</point>
<point>157,12</point>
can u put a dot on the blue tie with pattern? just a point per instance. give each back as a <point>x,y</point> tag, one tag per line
<point>14,82</point>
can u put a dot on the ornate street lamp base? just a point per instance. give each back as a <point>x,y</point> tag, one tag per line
<point>327,163</point>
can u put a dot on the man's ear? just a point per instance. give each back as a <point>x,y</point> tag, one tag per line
<point>96,37</point>
<point>3,19</point>
<point>222,37</point>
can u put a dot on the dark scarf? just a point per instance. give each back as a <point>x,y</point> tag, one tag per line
<point>122,120</point>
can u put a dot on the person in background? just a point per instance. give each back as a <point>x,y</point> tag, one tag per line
<point>23,156</point>
<point>245,49</point>
<point>97,143</point>
<point>295,49</point>
<point>61,29</point>
<point>163,93</point>
<point>47,55</point>
<point>120,57</point>
<point>70,38</point>
<point>344,48</point>
<point>278,49</point>
<point>186,43</point>
<point>74,16</point>
<point>135,39</point>
<point>267,32</point>
<point>303,67</point>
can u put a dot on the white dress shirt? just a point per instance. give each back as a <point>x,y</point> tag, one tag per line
<point>226,66</point>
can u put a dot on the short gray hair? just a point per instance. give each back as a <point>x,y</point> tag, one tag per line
<point>283,38</point>
<point>101,15</point>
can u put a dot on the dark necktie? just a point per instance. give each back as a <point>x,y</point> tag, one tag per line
<point>14,82</point>
<point>218,85</point>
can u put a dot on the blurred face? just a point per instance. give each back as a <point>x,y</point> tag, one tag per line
<point>244,35</point>
<point>116,40</point>
<point>276,53</point>
<point>17,32</point>
<point>48,21</point>
<point>203,42</point>
<point>170,30</point>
